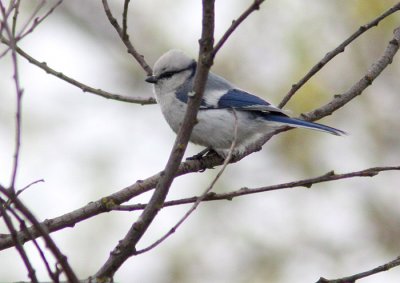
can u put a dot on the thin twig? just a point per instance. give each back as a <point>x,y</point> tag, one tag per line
<point>328,177</point>
<point>61,259</point>
<point>24,228</point>
<point>125,39</point>
<point>340,100</point>
<point>235,24</point>
<point>355,277</point>
<point>18,245</point>
<point>15,17</point>
<point>31,17</point>
<point>19,92</point>
<point>83,87</point>
<point>201,197</point>
<point>37,21</point>
<point>330,55</point>
<point>125,20</point>
<point>20,191</point>
<point>373,72</point>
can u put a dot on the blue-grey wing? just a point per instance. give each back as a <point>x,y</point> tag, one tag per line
<point>242,100</point>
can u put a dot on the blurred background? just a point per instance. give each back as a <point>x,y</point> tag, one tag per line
<point>86,147</point>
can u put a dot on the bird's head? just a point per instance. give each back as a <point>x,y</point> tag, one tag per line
<point>171,70</point>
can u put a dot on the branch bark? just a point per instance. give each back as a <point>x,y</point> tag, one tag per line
<point>332,54</point>
<point>122,32</point>
<point>127,246</point>
<point>308,183</point>
<point>355,277</point>
<point>82,86</point>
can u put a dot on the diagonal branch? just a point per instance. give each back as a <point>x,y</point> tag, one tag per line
<point>330,55</point>
<point>341,100</point>
<point>374,71</point>
<point>355,277</point>
<point>36,20</point>
<point>200,198</point>
<point>328,177</point>
<point>127,246</point>
<point>83,87</point>
<point>125,38</point>
<point>19,247</point>
<point>61,258</point>
<point>235,24</point>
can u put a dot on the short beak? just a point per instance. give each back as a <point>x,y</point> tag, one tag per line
<point>151,79</point>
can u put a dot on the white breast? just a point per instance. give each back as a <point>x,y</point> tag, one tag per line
<point>172,109</point>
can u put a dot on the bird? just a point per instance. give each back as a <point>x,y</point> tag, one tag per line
<point>226,113</point>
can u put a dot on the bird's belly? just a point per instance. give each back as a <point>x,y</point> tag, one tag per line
<point>216,128</point>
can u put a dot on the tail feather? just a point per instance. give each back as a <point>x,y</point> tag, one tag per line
<point>297,123</point>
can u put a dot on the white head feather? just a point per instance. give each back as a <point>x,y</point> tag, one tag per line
<point>171,70</point>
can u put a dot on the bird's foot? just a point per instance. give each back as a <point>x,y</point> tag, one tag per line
<point>201,154</point>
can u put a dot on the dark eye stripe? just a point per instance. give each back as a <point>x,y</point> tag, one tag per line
<point>169,74</point>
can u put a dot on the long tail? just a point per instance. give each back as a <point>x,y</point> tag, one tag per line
<point>297,123</point>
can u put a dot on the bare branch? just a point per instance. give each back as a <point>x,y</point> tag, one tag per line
<point>83,87</point>
<point>355,277</point>
<point>15,17</point>
<point>36,21</point>
<point>125,38</point>
<point>106,203</point>
<point>125,19</point>
<point>200,198</point>
<point>374,71</point>
<point>61,259</point>
<point>18,245</point>
<point>235,24</point>
<point>328,177</point>
<point>32,16</point>
<point>39,249</point>
<point>330,55</point>
<point>340,100</point>
<point>127,246</point>
<point>20,191</point>
<point>19,92</point>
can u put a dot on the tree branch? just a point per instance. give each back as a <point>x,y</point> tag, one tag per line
<point>328,177</point>
<point>83,87</point>
<point>355,277</point>
<point>330,55</point>
<point>106,203</point>
<point>18,90</point>
<point>340,100</point>
<point>36,21</point>
<point>125,19</point>
<point>200,198</point>
<point>125,38</point>
<point>18,245</point>
<point>235,23</point>
<point>127,246</point>
<point>61,259</point>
